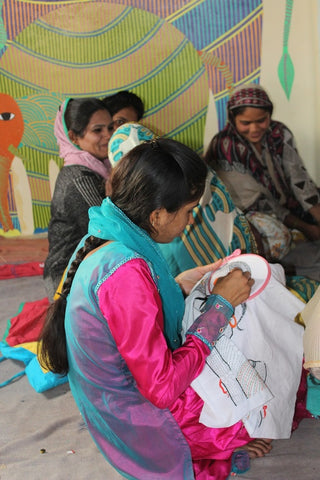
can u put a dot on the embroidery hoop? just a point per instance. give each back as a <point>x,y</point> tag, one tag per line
<point>258,267</point>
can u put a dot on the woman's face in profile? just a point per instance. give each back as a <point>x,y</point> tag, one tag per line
<point>252,124</point>
<point>96,136</point>
<point>170,225</point>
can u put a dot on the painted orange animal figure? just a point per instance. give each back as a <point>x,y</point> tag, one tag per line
<point>11,131</point>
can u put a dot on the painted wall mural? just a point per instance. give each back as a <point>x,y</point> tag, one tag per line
<point>171,53</point>
<point>11,131</point>
<point>285,67</point>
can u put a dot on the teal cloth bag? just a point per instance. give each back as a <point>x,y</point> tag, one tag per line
<point>20,342</point>
<point>313,396</point>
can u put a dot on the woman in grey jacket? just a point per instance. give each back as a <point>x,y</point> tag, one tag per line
<point>82,129</point>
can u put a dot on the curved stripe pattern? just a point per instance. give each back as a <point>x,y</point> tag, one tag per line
<point>202,242</point>
<point>99,24</point>
<point>123,48</point>
<point>146,46</point>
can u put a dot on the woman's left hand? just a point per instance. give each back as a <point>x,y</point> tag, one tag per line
<point>187,279</point>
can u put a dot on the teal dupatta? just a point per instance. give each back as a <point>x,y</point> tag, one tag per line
<point>110,223</point>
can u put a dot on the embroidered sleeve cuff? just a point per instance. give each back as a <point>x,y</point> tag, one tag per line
<point>214,318</point>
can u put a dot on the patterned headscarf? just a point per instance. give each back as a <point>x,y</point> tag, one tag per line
<point>249,95</point>
<point>229,147</point>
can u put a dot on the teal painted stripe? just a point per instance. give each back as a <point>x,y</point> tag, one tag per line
<point>210,244</point>
<point>41,203</point>
<point>106,61</point>
<point>25,83</point>
<point>142,80</point>
<point>199,150</point>
<point>175,94</point>
<point>38,175</point>
<point>202,247</point>
<point>93,33</point>
<point>181,128</point>
<point>138,83</point>
<point>42,149</point>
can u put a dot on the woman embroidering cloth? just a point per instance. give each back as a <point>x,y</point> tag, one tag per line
<point>243,375</point>
<point>257,159</point>
<point>116,327</point>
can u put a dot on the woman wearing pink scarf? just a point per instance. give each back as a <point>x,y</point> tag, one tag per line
<point>82,129</point>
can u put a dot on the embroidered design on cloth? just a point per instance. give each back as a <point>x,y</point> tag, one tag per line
<point>242,377</point>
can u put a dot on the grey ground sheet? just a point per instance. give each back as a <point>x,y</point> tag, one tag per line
<point>31,422</point>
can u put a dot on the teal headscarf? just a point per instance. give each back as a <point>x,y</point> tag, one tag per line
<point>110,223</point>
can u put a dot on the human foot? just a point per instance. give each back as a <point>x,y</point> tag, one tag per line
<point>259,447</point>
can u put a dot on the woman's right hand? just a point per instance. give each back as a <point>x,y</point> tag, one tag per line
<point>235,287</point>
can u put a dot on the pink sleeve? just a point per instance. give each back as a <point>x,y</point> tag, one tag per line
<point>131,304</point>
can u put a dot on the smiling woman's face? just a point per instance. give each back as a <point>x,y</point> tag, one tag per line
<point>252,124</point>
<point>96,136</point>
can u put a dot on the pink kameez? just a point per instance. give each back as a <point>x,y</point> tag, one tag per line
<point>163,376</point>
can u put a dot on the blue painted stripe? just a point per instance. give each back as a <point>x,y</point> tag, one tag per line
<point>210,20</point>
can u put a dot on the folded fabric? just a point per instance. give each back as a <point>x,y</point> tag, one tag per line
<point>276,237</point>
<point>29,269</point>
<point>26,325</point>
<point>20,342</point>
<point>313,396</point>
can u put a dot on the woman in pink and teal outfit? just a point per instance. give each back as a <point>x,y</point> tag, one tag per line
<point>118,322</point>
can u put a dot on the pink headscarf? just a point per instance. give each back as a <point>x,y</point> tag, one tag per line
<point>72,154</point>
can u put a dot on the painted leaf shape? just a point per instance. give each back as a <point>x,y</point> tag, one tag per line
<point>286,72</point>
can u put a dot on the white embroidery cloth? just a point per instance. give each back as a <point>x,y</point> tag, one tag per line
<point>254,370</point>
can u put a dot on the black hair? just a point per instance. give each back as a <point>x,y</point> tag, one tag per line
<point>161,173</point>
<point>124,99</point>
<point>79,111</point>
<point>52,350</point>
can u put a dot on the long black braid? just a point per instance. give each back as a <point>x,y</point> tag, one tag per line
<point>52,350</point>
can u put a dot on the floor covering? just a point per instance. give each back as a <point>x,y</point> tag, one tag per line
<point>49,422</point>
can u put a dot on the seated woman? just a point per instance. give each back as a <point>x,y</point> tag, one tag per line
<point>82,129</point>
<point>257,159</point>
<point>116,327</point>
